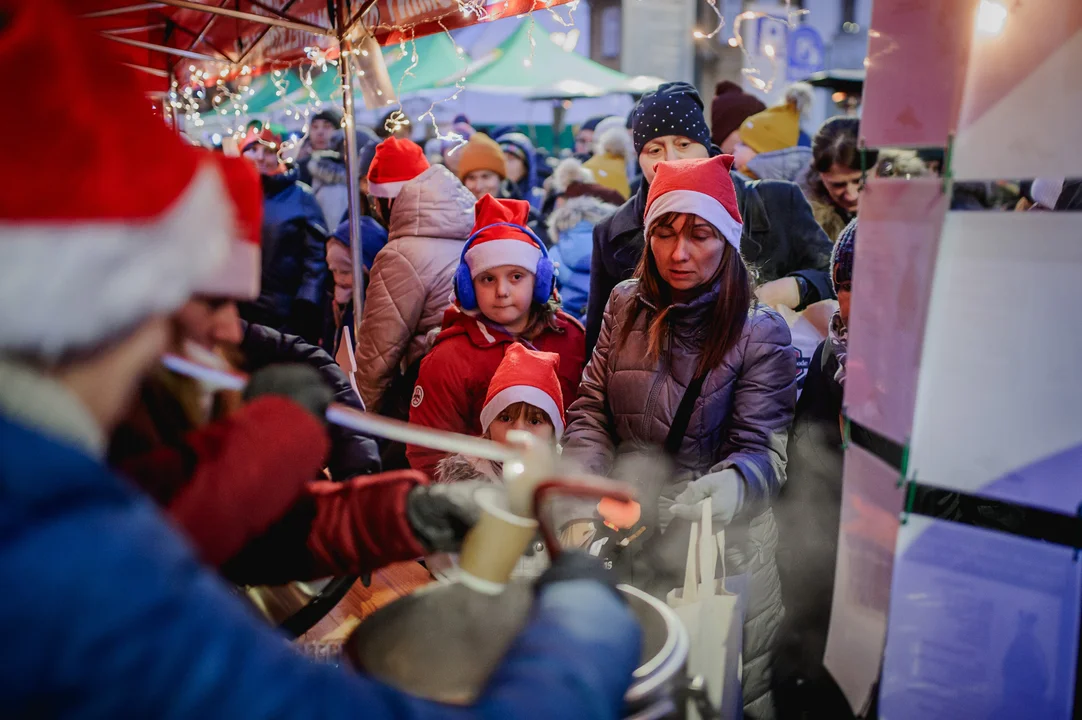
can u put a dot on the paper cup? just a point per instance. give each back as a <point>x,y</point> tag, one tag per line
<point>492,549</point>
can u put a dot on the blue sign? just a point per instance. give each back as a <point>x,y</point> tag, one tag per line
<point>805,53</point>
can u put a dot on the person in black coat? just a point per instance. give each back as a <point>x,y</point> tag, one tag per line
<point>351,452</point>
<point>294,276</point>
<point>781,239</point>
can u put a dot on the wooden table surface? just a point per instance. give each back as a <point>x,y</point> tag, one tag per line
<point>388,584</point>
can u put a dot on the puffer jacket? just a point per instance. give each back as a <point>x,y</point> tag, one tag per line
<point>571,229</point>
<point>454,377</point>
<point>740,420</point>
<point>790,164</point>
<point>411,279</point>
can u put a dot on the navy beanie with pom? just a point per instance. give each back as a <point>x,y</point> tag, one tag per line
<point>674,109</point>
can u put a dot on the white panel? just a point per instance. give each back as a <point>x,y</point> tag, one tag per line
<point>1001,374</point>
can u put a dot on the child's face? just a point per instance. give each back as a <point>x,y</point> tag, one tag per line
<point>525,417</point>
<point>505,296</point>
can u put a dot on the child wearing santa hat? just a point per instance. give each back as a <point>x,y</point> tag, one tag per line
<point>524,396</point>
<point>505,293</point>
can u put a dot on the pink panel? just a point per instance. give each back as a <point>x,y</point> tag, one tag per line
<point>917,53</point>
<point>1031,33</point>
<point>900,222</point>
<point>871,503</point>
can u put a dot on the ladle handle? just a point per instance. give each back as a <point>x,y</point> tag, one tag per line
<point>581,487</point>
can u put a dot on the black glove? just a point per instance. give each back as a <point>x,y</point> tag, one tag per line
<point>299,383</point>
<point>576,565</point>
<point>306,320</point>
<point>441,515</point>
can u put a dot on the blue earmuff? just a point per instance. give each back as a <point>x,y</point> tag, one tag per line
<point>545,273</point>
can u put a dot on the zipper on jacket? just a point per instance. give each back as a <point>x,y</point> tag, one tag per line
<point>659,380</point>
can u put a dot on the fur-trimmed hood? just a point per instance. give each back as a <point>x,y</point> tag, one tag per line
<point>575,211</point>
<point>327,168</point>
<point>461,468</point>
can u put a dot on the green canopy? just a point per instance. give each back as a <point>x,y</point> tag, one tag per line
<point>437,60</point>
<point>438,64</point>
<point>510,69</point>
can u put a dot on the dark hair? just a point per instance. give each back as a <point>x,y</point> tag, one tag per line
<point>725,324</point>
<point>836,143</point>
<point>543,317</point>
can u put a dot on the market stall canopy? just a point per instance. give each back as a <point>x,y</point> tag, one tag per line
<point>438,60</point>
<point>156,36</point>
<point>521,67</point>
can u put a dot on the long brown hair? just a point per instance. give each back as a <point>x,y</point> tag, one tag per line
<point>726,322</point>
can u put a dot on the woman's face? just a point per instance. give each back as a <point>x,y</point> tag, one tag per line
<point>516,169</point>
<point>666,149</point>
<point>340,263</point>
<point>844,186</point>
<point>526,418</point>
<point>505,296</point>
<point>687,252</point>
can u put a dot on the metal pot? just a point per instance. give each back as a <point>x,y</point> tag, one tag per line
<point>445,641</point>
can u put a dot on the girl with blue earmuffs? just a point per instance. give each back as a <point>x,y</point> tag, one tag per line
<point>504,292</point>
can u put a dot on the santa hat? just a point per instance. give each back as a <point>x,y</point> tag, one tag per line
<point>239,276</point>
<point>130,233</point>
<point>526,376</point>
<point>701,187</point>
<point>500,237</point>
<point>263,135</point>
<point>395,164</point>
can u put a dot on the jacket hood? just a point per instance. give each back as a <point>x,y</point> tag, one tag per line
<point>789,164</point>
<point>460,468</point>
<point>326,167</point>
<point>434,204</point>
<point>577,210</point>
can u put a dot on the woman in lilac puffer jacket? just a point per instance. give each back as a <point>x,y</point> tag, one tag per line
<point>689,314</point>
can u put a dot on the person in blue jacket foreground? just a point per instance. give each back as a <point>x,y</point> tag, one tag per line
<point>106,613</point>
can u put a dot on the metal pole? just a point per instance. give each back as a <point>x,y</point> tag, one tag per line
<point>177,52</point>
<point>345,72</point>
<point>367,423</point>
<point>252,17</point>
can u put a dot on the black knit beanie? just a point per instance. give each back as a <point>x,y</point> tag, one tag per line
<point>330,116</point>
<point>841,261</point>
<point>674,109</point>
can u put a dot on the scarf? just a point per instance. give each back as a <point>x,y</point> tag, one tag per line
<point>838,339</point>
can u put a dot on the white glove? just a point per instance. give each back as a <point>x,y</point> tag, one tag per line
<point>725,489</point>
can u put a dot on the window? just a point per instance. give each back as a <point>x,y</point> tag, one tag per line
<point>610,32</point>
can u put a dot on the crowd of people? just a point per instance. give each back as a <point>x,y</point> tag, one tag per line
<point>639,293</point>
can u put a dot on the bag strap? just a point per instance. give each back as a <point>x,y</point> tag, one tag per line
<point>682,418</point>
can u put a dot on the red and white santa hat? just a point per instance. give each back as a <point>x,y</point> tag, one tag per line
<point>395,164</point>
<point>701,186</point>
<point>500,236</point>
<point>240,275</point>
<point>133,222</point>
<point>527,376</point>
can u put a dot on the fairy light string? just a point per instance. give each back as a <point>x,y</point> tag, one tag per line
<point>223,90</point>
<point>753,74</point>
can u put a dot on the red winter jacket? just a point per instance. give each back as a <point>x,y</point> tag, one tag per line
<point>242,490</point>
<point>454,376</point>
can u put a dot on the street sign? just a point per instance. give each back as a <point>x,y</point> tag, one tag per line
<point>805,53</point>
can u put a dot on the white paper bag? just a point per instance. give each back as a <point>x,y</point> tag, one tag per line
<point>708,612</point>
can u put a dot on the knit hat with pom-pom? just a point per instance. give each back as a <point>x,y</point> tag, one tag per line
<point>778,127</point>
